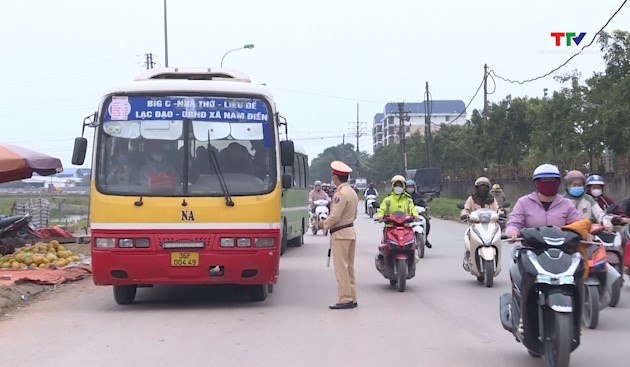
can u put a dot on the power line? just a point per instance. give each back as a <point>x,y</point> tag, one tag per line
<point>358,130</point>
<point>569,59</point>
<point>467,105</point>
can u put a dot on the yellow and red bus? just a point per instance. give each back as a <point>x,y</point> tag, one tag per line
<point>187,181</point>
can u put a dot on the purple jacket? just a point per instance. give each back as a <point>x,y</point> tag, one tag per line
<point>529,212</point>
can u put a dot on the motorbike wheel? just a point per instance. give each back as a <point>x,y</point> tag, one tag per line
<point>488,273</point>
<point>590,315</point>
<point>421,244</point>
<point>314,230</point>
<point>371,212</point>
<point>558,344</point>
<point>402,274</point>
<point>615,294</point>
<point>325,232</point>
<point>393,282</point>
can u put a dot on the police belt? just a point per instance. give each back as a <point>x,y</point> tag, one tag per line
<point>333,230</point>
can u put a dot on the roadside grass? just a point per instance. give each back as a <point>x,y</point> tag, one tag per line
<point>70,204</point>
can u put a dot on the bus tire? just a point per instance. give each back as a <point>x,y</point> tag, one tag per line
<point>284,243</point>
<point>258,292</point>
<point>124,294</point>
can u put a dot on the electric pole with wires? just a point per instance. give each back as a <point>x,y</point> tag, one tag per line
<point>427,126</point>
<point>403,116</point>
<point>485,94</point>
<point>149,63</point>
<point>358,130</point>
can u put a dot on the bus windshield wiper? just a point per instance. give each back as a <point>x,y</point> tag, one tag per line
<point>215,165</point>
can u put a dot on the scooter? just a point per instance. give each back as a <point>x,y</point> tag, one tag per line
<point>371,207</point>
<point>15,232</point>
<point>321,213</point>
<point>503,216</point>
<point>483,244</point>
<point>602,287</point>
<point>625,231</point>
<point>420,230</point>
<point>396,257</point>
<point>614,255</point>
<point>547,282</point>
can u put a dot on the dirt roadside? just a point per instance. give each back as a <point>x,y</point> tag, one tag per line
<point>16,296</point>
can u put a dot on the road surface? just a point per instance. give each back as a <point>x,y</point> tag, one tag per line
<point>444,318</point>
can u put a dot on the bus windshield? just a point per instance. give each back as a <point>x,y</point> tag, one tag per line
<point>162,146</point>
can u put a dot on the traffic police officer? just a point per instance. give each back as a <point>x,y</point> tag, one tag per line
<point>343,237</point>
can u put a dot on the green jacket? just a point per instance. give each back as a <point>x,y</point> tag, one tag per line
<point>402,202</point>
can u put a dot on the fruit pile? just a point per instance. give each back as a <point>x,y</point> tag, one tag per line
<point>41,255</point>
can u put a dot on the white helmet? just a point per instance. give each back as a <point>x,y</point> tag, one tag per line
<point>546,170</point>
<point>317,183</point>
<point>482,181</point>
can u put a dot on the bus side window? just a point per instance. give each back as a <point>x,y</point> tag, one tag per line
<point>304,165</point>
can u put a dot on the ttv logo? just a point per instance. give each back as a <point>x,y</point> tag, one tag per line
<point>577,38</point>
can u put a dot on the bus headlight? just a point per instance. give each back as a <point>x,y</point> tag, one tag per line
<point>243,242</point>
<point>227,242</point>
<point>125,242</point>
<point>265,242</point>
<point>105,242</point>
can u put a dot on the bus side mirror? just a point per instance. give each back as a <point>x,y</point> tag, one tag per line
<point>287,153</point>
<point>287,181</point>
<point>80,149</point>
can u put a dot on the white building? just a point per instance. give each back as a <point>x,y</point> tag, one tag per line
<point>386,126</point>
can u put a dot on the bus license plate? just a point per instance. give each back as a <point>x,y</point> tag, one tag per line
<point>184,259</point>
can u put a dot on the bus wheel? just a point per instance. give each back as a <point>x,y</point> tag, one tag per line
<point>258,292</point>
<point>124,294</point>
<point>284,242</point>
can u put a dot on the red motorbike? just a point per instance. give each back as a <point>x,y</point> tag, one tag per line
<point>396,257</point>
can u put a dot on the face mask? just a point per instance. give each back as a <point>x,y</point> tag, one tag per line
<point>398,190</point>
<point>596,192</point>
<point>157,157</point>
<point>576,191</point>
<point>547,188</point>
<point>482,190</point>
<point>411,190</point>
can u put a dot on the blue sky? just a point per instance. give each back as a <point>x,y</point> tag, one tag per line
<point>320,58</point>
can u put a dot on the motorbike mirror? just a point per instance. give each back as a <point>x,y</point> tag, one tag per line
<point>611,209</point>
<point>507,204</point>
<point>460,205</point>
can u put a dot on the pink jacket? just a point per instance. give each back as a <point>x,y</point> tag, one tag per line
<point>314,195</point>
<point>529,212</point>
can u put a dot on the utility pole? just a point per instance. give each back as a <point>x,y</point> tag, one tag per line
<point>165,38</point>
<point>428,137</point>
<point>485,95</point>
<point>148,63</point>
<point>357,129</point>
<point>403,117</point>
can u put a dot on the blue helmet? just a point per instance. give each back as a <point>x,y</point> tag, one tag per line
<point>546,170</point>
<point>411,183</point>
<point>595,180</point>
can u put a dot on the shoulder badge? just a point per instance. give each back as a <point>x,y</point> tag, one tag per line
<point>336,200</point>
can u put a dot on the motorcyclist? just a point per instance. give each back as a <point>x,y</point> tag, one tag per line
<point>480,199</point>
<point>498,194</point>
<point>317,194</point>
<point>595,188</point>
<point>574,182</point>
<point>397,200</point>
<point>369,191</point>
<point>543,207</point>
<point>419,201</point>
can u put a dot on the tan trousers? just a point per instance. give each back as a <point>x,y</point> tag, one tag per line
<point>343,260</point>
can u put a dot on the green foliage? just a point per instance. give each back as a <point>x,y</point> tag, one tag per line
<point>445,208</point>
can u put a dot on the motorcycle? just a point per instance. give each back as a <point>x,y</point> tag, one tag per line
<point>396,260</point>
<point>548,285</point>
<point>15,232</point>
<point>602,287</point>
<point>420,230</point>
<point>321,213</point>
<point>626,255</point>
<point>503,216</point>
<point>371,205</point>
<point>483,243</point>
<point>614,256</point>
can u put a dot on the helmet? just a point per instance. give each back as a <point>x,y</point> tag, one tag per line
<point>546,170</point>
<point>496,187</point>
<point>411,183</point>
<point>482,181</point>
<point>595,180</point>
<point>573,175</point>
<point>399,178</point>
<point>317,183</point>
